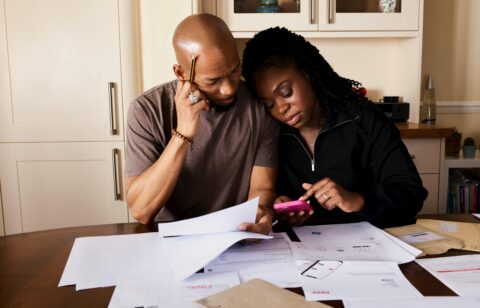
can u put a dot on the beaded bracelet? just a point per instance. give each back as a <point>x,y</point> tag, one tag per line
<point>184,138</point>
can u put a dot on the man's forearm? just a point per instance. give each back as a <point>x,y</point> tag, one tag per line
<point>148,193</point>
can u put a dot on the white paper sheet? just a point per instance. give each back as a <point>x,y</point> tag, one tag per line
<point>221,221</point>
<point>355,280</point>
<point>99,261</point>
<point>157,291</point>
<point>476,215</point>
<point>350,242</point>
<point>407,247</point>
<point>268,260</point>
<point>425,302</point>
<point>460,273</point>
<point>188,254</point>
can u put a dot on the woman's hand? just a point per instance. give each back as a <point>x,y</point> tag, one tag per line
<point>331,195</point>
<point>293,218</point>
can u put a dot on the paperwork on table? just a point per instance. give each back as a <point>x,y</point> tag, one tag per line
<point>258,293</point>
<point>460,273</point>
<point>468,232</point>
<point>350,242</point>
<point>428,241</point>
<point>270,260</point>
<point>330,280</point>
<point>99,261</point>
<point>159,291</point>
<point>191,244</point>
<point>424,302</point>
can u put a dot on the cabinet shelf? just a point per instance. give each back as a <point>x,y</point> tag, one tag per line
<point>460,162</point>
<point>455,163</point>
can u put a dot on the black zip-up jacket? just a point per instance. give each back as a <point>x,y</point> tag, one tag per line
<point>362,153</point>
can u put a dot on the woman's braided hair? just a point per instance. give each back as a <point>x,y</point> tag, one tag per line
<point>279,47</point>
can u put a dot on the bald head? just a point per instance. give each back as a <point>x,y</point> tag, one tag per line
<point>200,33</point>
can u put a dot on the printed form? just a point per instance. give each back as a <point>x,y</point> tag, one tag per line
<point>333,280</point>
<point>425,302</point>
<point>158,291</point>
<point>270,260</point>
<point>460,273</point>
<point>350,242</point>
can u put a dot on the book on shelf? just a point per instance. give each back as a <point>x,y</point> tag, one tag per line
<point>463,192</point>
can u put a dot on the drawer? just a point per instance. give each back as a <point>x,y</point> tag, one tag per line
<point>425,153</point>
<point>430,182</point>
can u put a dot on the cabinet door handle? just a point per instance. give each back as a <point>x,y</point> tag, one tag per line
<point>313,11</point>
<point>331,11</point>
<point>113,118</point>
<point>117,189</point>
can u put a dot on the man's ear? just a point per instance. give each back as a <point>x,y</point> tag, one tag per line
<point>178,71</point>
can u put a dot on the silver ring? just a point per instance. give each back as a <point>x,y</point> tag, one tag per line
<point>325,196</point>
<point>193,98</point>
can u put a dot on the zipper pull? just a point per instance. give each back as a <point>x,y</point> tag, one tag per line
<point>313,165</point>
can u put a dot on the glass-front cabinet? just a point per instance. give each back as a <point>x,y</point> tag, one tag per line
<point>320,15</point>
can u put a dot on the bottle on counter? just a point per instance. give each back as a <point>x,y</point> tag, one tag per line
<point>429,106</point>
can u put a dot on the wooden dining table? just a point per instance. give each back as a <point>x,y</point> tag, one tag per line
<point>31,265</point>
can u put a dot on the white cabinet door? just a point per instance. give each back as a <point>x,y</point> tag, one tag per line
<point>431,183</point>
<point>55,185</point>
<point>368,15</point>
<point>2,229</point>
<point>321,15</point>
<point>57,59</point>
<point>242,15</point>
<point>425,153</point>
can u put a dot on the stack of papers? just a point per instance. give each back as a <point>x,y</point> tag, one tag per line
<point>270,260</point>
<point>102,261</point>
<point>192,243</point>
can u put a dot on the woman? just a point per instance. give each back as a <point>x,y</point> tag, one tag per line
<point>335,149</point>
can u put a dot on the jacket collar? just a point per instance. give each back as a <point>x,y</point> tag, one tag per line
<point>334,119</point>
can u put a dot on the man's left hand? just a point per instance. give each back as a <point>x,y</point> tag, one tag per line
<point>263,222</point>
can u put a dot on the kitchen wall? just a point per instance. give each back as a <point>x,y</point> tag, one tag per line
<point>451,54</point>
<point>451,45</point>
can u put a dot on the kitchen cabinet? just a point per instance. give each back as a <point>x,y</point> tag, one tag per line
<point>321,15</point>
<point>2,228</point>
<point>56,185</point>
<point>62,55</point>
<point>68,70</point>
<point>427,154</point>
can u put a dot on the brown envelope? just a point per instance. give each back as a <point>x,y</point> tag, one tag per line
<point>257,293</point>
<point>440,244</point>
<point>466,231</point>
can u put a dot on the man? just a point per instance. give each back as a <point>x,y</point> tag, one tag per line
<point>197,147</point>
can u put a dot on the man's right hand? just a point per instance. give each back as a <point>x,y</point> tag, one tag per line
<point>188,112</point>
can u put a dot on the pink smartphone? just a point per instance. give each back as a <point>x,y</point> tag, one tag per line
<point>292,206</point>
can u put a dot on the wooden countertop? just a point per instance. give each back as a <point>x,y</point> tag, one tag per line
<point>413,130</point>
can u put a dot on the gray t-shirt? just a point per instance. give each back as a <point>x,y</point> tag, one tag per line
<point>217,169</point>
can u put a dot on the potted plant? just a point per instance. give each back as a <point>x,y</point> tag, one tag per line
<point>453,142</point>
<point>469,148</point>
